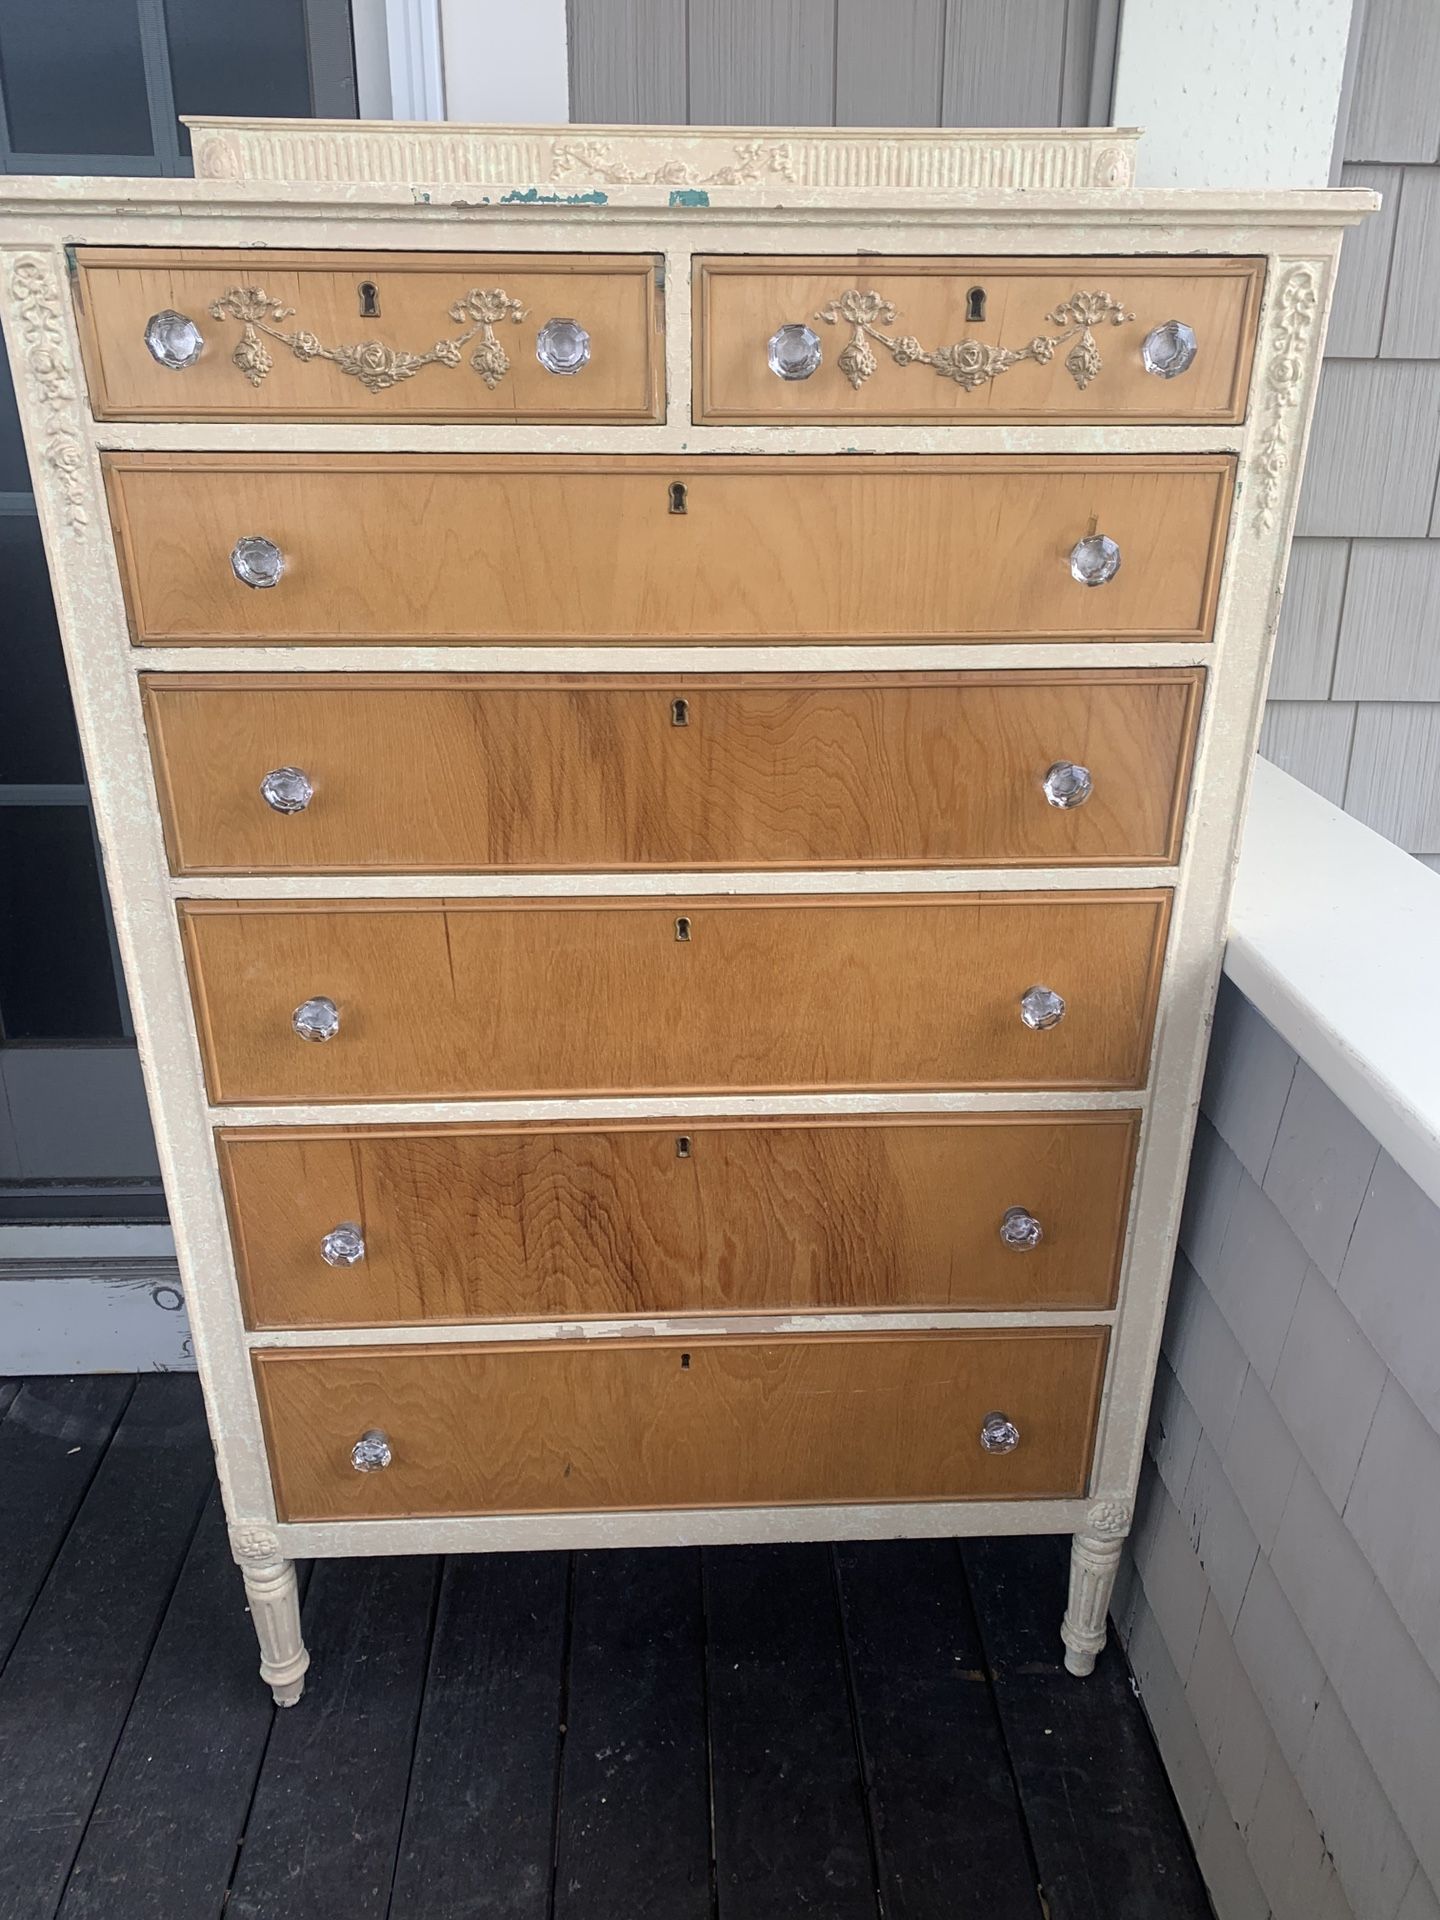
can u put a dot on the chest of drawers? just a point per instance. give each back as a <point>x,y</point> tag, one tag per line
<point>669,758</point>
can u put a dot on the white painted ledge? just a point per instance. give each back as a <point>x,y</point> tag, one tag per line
<point>1335,937</point>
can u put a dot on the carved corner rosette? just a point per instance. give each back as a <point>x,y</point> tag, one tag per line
<point>1108,1519</point>
<point>39,310</point>
<point>253,1544</point>
<point>971,364</point>
<point>1297,304</point>
<point>376,366</point>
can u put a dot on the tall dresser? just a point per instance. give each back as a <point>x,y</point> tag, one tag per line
<point>668,715</point>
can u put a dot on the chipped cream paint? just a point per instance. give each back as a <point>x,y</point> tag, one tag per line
<point>889,202</point>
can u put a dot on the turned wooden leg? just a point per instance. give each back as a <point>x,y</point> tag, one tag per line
<point>1094,1560</point>
<point>275,1609</point>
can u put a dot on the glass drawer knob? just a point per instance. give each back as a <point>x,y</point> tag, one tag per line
<point>1094,560</point>
<point>562,346</point>
<point>1169,349</point>
<point>288,790</point>
<point>1020,1230</point>
<point>317,1019</point>
<point>999,1433</point>
<point>1041,1007</point>
<point>256,561</point>
<point>343,1246</point>
<point>1066,784</point>
<point>371,1452</point>
<point>794,351</point>
<point>173,339</point>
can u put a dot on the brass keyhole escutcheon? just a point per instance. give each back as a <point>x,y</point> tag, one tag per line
<point>682,1146</point>
<point>679,713</point>
<point>678,497</point>
<point>975,304</point>
<point>369,300</point>
<point>682,927</point>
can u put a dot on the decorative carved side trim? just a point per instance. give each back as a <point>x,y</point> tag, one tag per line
<point>371,362</point>
<point>253,1544</point>
<point>753,162</point>
<point>1297,302</point>
<point>1110,1519</point>
<point>971,363</point>
<point>37,300</point>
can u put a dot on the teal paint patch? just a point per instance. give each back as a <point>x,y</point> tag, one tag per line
<point>532,197</point>
<point>689,197</point>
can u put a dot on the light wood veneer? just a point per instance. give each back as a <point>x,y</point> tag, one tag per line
<point>562,1426</point>
<point>438,773</point>
<point>609,1219</point>
<point>473,997</point>
<point>540,547</point>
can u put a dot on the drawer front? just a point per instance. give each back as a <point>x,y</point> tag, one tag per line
<point>984,339</point>
<point>423,773</point>
<point>471,998</point>
<point>387,336</point>
<point>563,1223</point>
<point>562,1427</point>
<point>425,547</point>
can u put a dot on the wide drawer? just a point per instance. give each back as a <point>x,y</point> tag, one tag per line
<point>941,339</point>
<point>540,547</point>
<point>1021,1210</point>
<point>476,997</point>
<point>752,1421</point>
<point>358,336</point>
<point>437,773</point>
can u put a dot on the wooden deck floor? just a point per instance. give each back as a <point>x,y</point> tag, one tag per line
<point>734,1734</point>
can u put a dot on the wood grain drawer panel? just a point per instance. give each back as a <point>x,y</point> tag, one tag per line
<point>454,999</point>
<point>441,774</point>
<point>751,1421</point>
<point>608,1220</point>
<point>742,301</point>
<point>318,297</point>
<point>540,547</point>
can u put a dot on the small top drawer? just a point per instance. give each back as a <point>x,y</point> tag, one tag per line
<point>952,340</point>
<point>390,336</point>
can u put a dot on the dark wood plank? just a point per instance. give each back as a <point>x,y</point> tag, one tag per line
<point>8,1391</point>
<point>69,1682</point>
<point>479,1836</point>
<point>949,1838</point>
<point>325,1825</point>
<point>790,1829</point>
<point>52,1438</point>
<point>163,1835</point>
<point>1107,1835</point>
<point>634,1833</point>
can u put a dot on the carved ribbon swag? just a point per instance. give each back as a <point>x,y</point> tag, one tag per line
<point>970,363</point>
<point>371,362</point>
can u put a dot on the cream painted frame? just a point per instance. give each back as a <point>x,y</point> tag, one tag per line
<point>1299,233</point>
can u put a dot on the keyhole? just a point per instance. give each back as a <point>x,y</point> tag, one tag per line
<point>369,300</point>
<point>682,1146</point>
<point>975,304</point>
<point>679,713</point>
<point>684,1360</point>
<point>677,497</point>
<point>682,927</point>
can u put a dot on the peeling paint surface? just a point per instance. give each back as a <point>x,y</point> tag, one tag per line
<point>532,197</point>
<point>689,197</point>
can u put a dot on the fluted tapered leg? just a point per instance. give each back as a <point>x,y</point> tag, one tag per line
<point>275,1609</point>
<point>1094,1559</point>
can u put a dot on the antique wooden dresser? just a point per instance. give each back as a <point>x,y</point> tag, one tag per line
<point>668,715</point>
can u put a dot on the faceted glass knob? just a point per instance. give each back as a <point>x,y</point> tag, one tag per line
<point>1169,349</point>
<point>173,339</point>
<point>1020,1230</point>
<point>287,790</point>
<point>999,1433</point>
<point>256,561</point>
<point>1041,1007</point>
<point>1066,784</point>
<point>371,1452</point>
<point>1094,560</point>
<point>794,351</point>
<point>317,1019</point>
<point>562,346</point>
<point>343,1246</point>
